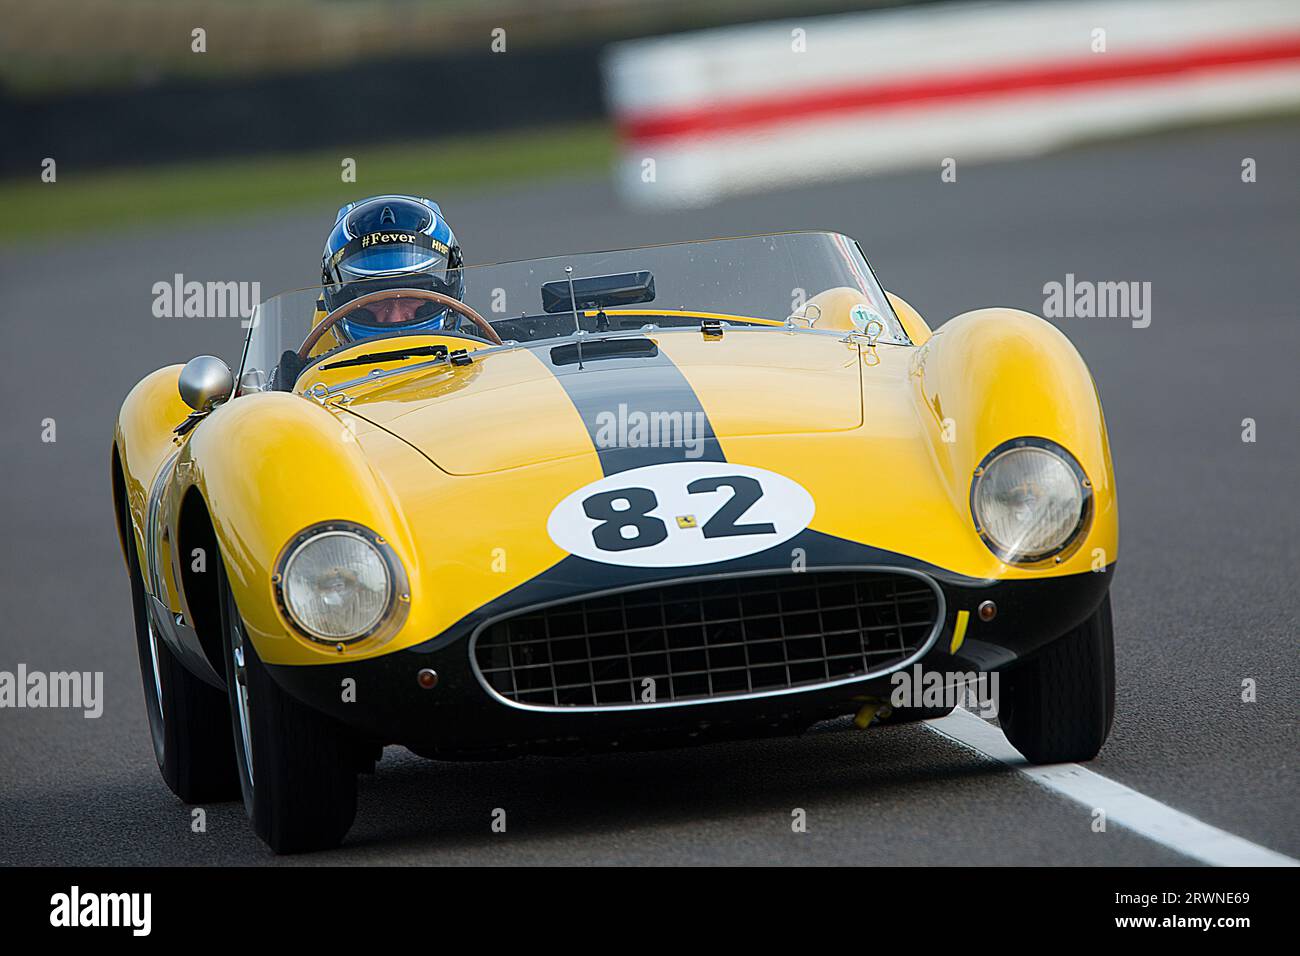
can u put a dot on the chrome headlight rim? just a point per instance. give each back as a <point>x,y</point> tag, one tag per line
<point>399,596</point>
<point>1071,540</point>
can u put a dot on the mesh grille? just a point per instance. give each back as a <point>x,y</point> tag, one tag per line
<point>708,639</point>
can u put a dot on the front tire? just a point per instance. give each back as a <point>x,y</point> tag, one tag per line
<point>187,717</point>
<point>1058,706</point>
<point>297,767</point>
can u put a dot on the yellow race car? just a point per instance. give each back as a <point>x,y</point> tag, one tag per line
<point>654,496</point>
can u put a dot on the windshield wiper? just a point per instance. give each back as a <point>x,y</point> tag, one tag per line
<point>369,357</point>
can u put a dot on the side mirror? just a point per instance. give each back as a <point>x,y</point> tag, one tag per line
<point>204,381</point>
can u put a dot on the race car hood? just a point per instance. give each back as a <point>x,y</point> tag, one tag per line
<point>528,405</point>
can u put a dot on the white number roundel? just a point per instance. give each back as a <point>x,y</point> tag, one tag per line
<point>680,514</point>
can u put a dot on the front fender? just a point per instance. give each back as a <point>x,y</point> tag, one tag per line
<point>996,374</point>
<point>269,465</point>
<point>145,439</point>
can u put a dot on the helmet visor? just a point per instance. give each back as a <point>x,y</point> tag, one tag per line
<point>405,257</point>
<point>441,279</point>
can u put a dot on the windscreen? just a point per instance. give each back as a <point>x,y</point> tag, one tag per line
<point>734,280</point>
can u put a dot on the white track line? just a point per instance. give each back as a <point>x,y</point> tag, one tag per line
<point>1135,811</point>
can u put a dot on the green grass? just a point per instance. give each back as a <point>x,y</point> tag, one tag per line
<point>146,196</point>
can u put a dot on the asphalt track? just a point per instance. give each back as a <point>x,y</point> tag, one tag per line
<point>1205,596</point>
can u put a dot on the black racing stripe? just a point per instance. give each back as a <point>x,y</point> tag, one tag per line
<point>637,405</point>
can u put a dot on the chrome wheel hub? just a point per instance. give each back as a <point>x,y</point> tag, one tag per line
<point>153,665</point>
<point>241,699</point>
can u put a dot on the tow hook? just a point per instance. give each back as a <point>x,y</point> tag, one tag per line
<point>869,712</point>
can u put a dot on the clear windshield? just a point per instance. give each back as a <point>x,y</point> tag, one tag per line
<point>756,279</point>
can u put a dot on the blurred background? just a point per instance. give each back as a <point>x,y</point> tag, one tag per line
<point>236,104</point>
<point>978,151</point>
<point>164,108</point>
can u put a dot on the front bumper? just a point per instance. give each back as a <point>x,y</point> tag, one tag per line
<point>459,717</point>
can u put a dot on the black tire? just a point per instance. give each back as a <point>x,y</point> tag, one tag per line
<point>297,767</point>
<point>188,718</point>
<point>1058,706</point>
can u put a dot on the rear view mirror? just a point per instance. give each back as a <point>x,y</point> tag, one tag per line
<point>598,292</point>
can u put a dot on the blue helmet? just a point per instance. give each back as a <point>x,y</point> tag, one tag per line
<point>391,242</point>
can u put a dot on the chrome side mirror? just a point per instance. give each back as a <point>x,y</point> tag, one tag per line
<point>204,381</point>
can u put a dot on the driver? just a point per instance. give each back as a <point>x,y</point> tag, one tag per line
<point>391,242</point>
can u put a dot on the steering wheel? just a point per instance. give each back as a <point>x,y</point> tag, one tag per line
<point>429,295</point>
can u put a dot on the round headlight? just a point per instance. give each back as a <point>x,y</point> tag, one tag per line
<point>337,585</point>
<point>1028,500</point>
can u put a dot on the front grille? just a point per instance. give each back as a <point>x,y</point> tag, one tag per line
<point>707,639</point>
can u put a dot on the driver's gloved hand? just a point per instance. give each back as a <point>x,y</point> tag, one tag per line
<point>287,372</point>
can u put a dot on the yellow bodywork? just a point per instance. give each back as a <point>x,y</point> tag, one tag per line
<point>885,438</point>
